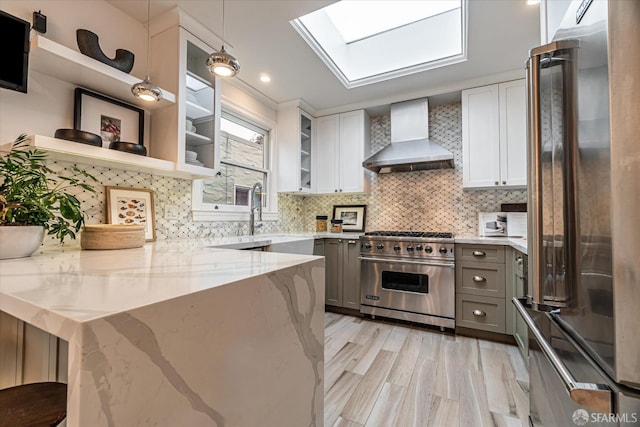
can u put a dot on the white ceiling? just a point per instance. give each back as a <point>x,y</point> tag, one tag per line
<point>501,32</point>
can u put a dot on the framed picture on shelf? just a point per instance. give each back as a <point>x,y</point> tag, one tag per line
<point>131,206</point>
<point>352,216</point>
<point>112,119</point>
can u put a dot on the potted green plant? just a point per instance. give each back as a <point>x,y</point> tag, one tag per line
<point>33,201</point>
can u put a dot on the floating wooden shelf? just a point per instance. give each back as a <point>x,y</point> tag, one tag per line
<point>99,156</point>
<point>56,60</point>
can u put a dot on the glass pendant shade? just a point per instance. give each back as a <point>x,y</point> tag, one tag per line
<point>222,64</point>
<point>146,91</point>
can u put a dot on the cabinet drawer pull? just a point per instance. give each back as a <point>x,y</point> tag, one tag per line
<point>504,182</point>
<point>479,279</point>
<point>479,313</point>
<point>479,253</point>
<point>497,183</point>
<point>352,242</point>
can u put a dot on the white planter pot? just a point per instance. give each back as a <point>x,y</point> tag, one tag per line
<point>20,241</point>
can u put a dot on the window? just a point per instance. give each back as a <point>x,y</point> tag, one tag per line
<point>244,161</point>
<point>364,42</point>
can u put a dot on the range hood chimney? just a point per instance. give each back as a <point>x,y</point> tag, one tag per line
<point>410,148</point>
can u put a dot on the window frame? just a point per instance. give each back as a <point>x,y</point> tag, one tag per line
<point>218,212</point>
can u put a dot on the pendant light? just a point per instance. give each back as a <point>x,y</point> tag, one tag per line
<point>221,63</point>
<point>146,90</point>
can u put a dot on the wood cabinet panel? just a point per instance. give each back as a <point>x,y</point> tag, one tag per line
<point>29,355</point>
<point>494,136</point>
<point>342,143</point>
<point>342,272</point>
<point>477,278</point>
<point>480,253</point>
<point>478,312</point>
<point>351,274</point>
<point>333,272</point>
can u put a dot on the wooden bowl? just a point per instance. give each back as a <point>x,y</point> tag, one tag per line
<point>129,147</point>
<point>112,236</point>
<point>80,136</point>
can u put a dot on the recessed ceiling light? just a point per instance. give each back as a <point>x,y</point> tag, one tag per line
<point>265,78</point>
<point>533,2</point>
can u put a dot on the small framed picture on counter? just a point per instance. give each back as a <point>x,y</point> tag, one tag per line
<point>131,206</point>
<point>352,216</point>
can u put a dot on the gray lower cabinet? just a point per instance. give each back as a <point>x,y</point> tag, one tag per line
<point>480,287</point>
<point>519,280</point>
<point>342,271</point>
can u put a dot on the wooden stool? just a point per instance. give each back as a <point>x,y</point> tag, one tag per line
<point>31,405</point>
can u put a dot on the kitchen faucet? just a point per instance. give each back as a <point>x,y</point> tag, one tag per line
<point>255,203</point>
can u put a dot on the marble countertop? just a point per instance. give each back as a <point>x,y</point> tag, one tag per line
<point>518,243</point>
<point>178,332</point>
<point>67,285</point>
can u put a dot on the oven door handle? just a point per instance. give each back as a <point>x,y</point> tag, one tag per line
<point>424,263</point>
<point>593,396</point>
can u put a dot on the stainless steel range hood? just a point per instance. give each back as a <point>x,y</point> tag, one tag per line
<point>410,148</point>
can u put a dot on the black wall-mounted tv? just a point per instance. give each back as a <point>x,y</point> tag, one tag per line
<point>14,47</point>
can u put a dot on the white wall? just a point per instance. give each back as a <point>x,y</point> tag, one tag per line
<point>48,104</point>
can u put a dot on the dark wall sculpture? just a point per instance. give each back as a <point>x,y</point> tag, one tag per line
<point>89,45</point>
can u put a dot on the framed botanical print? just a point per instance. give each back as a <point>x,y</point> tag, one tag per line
<point>131,206</point>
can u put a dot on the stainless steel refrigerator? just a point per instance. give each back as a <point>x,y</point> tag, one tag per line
<point>583,305</point>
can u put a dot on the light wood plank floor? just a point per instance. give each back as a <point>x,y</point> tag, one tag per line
<point>382,373</point>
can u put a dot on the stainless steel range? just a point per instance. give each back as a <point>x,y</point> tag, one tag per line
<point>408,275</point>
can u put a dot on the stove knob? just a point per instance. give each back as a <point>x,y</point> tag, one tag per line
<point>367,246</point>
<point>409,248</point>
<point>443,250</point>
<point>419,248</point>
<point>380,246</point>
<point>428,249</point>
<point>396,247</point>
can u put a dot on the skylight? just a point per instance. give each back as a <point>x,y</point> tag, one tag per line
<point>364,42</point>
<point>356,20</point>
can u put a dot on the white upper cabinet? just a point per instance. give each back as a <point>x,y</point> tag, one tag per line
<point>294,150</point>
<point>326,154</point>
<point>187,132</point>
<point>494,136</point>
<point>342,142</point>
<point>513,133</point>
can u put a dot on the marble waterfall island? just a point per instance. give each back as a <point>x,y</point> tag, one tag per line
<point>179,336</point>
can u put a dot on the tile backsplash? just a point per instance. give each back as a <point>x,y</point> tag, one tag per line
<point>424,200</point>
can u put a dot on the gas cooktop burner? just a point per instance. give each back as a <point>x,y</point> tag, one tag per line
<point>421,234</point>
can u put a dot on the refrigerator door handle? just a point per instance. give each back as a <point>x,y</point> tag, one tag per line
<point>541,57</point>
<point>534,181</point>
<point>597,397</point>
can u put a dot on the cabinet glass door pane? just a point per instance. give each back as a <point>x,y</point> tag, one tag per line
<point>199,103</point>
<point>305,152</point>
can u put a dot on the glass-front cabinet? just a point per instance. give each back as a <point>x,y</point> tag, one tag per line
<point>186,133</point>
<point>305,151</point>
<point>294,151</point>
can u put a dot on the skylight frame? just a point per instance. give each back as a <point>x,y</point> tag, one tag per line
<point>319,49</point>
